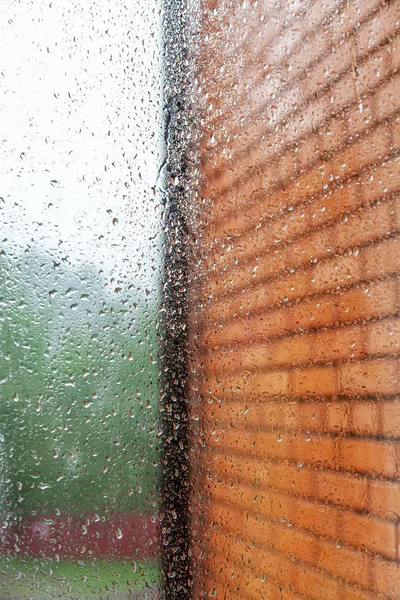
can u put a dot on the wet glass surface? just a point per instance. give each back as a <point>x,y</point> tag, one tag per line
<point>294,320</point>
<point>199,294</point>
<point>80,293</point>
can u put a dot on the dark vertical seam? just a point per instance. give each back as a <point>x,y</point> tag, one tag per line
<point>175,521</point>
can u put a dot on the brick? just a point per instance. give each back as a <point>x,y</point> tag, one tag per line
<point>362,417</point>
<point>311,312</point>
<point>372,147</point>
<point>389,419</point>
<point>337,344</point>
<point>308,449</point>
<point>252,561</point>
<point>382,259</point>
<point>334,559</point>
<point>359,118</point>
<point>262,327</point>
<point>292,351</point>
<point>395,52</point>
<point>377,299</point>
<point>343,92</point>
<point>250,272</point>
<point>299,357</point>
<point>279,290</point>
<point>376,30</point>
<point>368,301</point>
<point>292,224</point>
<point>275,415</point>
<point>383,497</point>
<point>336,272</point>
<point>332,134</point>
<point>372,71</point>
<point>272,383</point>
<point>338,60</point>
<point>254,566</point>
<point>380,180</point>
<point>355,13</point>
<point>237,581</point>
<point>305,55</point>
<point>374,457</point>
<point>358,492</point>
<point>308,150</point>
<point>376,535</point>
<point>384,337</point>
<point>286,166</point>
<point>335,203</point>
<point>368,456</point>
<point>370,377</point>
<point>315,245</point>
<point>395,128</point>
<point>319,382</point>
<point>368,224</point>
<point>318,13</point>
<point>387,99</point>
<point>260,357</point>
<point>302,123</point>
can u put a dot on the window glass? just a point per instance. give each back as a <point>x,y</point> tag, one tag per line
<point>295,322</point>
<point>81,128</point>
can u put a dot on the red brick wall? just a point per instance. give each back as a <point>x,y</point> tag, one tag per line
<point>295,303</point>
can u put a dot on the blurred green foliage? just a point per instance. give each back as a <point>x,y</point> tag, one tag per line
<point>79,390</point>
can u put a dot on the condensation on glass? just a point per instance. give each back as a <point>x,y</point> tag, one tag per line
<point>80,266</point>
<point>266,156</point>
<point>295,300</point>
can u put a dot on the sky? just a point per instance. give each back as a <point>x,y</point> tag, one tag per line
<point>81,131</point>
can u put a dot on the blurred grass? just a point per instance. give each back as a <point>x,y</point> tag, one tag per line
<point>45,579</point>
